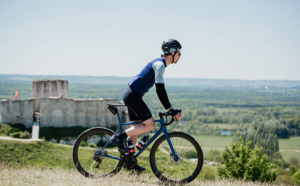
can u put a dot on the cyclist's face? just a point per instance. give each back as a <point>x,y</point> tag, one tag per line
<point>177,56</point>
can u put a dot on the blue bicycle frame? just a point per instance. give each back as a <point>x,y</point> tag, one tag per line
<point>163,129</point>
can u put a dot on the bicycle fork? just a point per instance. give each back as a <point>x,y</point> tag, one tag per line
<point>171,146</point>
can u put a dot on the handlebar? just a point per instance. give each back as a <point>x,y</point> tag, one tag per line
<point>166,114</point>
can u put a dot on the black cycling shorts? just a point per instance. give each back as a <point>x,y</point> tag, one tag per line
<point>137,108</point>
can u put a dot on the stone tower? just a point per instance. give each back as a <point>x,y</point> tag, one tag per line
<point>49,88</point>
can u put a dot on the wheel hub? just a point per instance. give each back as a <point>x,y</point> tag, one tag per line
<point>179,158</point>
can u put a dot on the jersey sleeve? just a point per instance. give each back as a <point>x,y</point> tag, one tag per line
<point>159,70</point>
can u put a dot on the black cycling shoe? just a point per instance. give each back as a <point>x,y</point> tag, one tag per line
<point>119,143</point>
<point>139,168</point>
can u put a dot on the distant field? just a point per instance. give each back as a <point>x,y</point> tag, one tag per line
<point>222,126</point>
<point>288,147</point>
<point>292,143</point>
<point>213,141</point>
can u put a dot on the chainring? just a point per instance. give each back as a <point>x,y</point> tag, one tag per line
<point>130,162</point>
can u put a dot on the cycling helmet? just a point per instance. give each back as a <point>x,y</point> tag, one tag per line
<point>170,45</point>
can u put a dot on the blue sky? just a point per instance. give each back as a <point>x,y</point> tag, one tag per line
<point>248,40</point>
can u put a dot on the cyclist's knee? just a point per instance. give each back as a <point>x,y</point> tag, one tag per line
<point>151,127</point>
<point>150,124</point>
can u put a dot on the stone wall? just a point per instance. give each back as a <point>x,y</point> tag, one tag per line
<point>72,112</point>
<point>17,111</point>
<point>60,112</point>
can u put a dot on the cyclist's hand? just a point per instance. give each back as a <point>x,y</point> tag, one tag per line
<point>175,113</point>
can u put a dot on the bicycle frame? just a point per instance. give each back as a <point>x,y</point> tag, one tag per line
<point>163,129</point>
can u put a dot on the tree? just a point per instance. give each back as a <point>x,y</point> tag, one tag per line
<point>243,162</point>
<point>296,178</point>
<point>293,161</point>
<point>265,139</point>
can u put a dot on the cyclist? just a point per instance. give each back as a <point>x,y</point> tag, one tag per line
<point>151,74</point>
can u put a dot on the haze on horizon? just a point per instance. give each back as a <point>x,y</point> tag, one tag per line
<point>248,40</point>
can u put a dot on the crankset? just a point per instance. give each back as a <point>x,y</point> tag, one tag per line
<point>130,162</point>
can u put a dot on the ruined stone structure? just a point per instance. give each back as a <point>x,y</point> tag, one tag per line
<point>49,88</point>
<point>59,111</point>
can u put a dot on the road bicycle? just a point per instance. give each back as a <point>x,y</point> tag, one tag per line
<point>175,157</point>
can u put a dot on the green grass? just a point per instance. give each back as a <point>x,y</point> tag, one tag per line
<point>213,141</point>
<point>287,154</point>
<point>39,154</point>
<point>293,143</point>
<point>51,155</point>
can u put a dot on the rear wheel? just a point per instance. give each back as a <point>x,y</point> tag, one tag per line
<point>182,169</point>
<point>87,145</point>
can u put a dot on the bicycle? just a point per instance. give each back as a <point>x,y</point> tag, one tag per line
<point>175,157</point>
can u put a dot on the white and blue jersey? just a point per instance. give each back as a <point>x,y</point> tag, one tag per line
<point>151,74</point>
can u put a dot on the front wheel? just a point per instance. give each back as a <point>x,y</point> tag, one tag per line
<point>85,150</point>
<point>182,169</point>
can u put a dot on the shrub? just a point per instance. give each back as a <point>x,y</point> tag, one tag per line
<point>285,178</point>
<point>208,173</point>
<point>25,135</point>
<point>277,155</point>
<point>212,154</point>
<point>293,169</point>
<point>293,161</point>
<point>296,178</point>
<point>218,158</point>
<point>16,134</point>
<point>241,162</point>
<point>82,144</point>
<point>92,145</point>
<point>190,154</point>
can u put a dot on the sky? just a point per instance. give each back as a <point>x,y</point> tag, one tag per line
<point>232,39</point>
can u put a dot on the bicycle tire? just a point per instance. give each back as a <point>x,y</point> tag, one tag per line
<point>166,168</point>
<point>87,144</point>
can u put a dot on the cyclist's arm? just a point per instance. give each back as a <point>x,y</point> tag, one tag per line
<point>159,69</point>
<point>162,95</point>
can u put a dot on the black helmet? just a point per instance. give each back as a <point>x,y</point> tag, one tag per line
<point>170,45</point>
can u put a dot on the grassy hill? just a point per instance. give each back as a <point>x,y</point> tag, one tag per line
<point>59,176</point>
<point>47,155</point>
<point>45,163</point>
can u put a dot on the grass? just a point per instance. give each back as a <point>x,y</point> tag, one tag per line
<point>293,143</point>
<point>45,163</point>
<point>210,141</point>
<point>59,176</point>
<point>35,153</point>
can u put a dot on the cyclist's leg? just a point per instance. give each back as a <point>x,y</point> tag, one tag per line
<point>135,130</point>
<point>137,110</point>
<point>133,118</point>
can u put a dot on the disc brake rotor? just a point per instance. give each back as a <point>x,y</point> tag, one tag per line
<point>179,158</point>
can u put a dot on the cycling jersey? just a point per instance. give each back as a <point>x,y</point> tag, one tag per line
<point>152,73</point>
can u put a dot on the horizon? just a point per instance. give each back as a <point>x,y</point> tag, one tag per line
<point>244,40</point>
<point>165,78</point>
